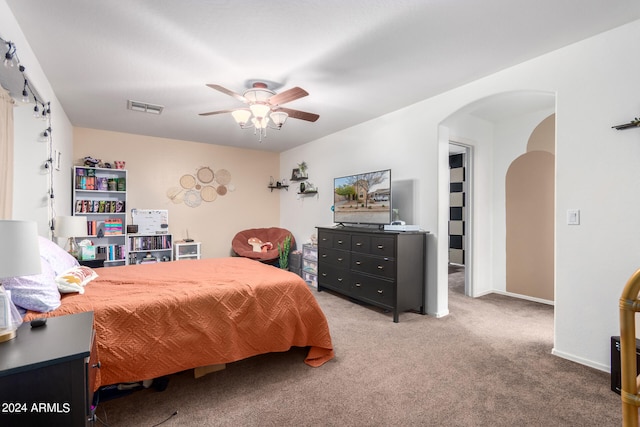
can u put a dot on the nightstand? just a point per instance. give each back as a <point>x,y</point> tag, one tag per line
<point>47,374</point>
<point>93,263</point>
<point>186,250</point>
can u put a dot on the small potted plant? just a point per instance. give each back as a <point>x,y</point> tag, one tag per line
<point>283,252</point>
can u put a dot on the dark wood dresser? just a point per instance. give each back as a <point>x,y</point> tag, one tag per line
<point>382,268</point>
<point>47,374</point>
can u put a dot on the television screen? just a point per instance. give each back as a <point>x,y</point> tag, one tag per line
<point>363,198</point>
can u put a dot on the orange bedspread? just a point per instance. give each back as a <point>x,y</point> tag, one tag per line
<point>156,319</point>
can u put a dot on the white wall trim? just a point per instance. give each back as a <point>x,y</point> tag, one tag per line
<point>582,361</point>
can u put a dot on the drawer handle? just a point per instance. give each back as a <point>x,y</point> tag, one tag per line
<point>380,246</point>
<point>358,263</point>
<point>97,365</point>
<point>358,285</point>
<point>339,242</point>
<point>358,244</point>
<point>324,274</point>
<point>381,267</point>
<point>340,259</point>
<point>340,279</point>
<point>380,291</point>
<point>324,255</point>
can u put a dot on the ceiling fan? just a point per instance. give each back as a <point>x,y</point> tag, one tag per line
<point>264,107</point>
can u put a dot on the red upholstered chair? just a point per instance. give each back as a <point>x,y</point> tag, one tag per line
<point>274,235</point>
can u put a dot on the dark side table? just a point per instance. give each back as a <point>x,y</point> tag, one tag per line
<point>47,374</point>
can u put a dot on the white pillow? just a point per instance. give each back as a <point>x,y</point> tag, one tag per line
<point>38,292</point>
<point>75,279</point>
<point>59,259</point>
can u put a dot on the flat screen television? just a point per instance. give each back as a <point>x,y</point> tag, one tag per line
<point>364,198</point>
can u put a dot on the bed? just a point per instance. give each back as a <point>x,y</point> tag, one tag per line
<point>152,320</point>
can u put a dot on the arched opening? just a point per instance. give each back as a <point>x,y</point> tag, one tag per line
<point>498,129</point>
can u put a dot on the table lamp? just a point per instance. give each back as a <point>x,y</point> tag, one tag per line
<point>19,256</point>
<point>71,227</point>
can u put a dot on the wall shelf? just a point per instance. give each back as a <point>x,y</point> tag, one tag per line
<point>632,124</point>
<point>275,187</point>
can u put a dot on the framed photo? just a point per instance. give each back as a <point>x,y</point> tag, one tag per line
<point>295,174</point>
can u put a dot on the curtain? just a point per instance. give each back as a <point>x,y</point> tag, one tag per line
<point>6,154</point>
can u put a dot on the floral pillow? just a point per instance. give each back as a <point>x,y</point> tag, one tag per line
<point>75,279</point>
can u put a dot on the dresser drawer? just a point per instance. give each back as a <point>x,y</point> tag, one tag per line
<point>334,240</point>
<point>333,277</point>
<point>335,257</point>
<point>360,243</point>
<point>383,246</point>
<point>373,289</point>
<point>378,266</point>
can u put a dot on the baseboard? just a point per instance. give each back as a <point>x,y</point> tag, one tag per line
<point>439,313</point>
<point>580,360</point>
<point>525,297</point>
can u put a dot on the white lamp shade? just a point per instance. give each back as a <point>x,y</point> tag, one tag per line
<point>279,117</point>
<point>70,226</point>
<point>259,111</point>
<point>241,116</point>
<point>19,250</point>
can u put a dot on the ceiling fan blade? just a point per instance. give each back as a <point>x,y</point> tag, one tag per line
<point>211,113</point>
<point>228,92</point>
<point>297,114</point>
<point>288,96</point>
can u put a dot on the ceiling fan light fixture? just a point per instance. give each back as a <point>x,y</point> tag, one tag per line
<point>241,116</point>
<point>264,107</point>
<point>258,94</point>
<point>260,111</point>
<point>278,118</point>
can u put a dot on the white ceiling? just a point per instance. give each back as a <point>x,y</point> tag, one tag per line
<point>358,59</point>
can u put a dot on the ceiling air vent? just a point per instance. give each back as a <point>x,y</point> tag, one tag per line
<point>143,107</point>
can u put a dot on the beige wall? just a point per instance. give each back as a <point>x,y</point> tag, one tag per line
<point>530,195</point>
<point>155,165</point>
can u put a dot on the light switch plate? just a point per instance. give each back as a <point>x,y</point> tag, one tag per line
<point>573,216</point>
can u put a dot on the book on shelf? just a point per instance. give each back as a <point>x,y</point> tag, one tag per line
<point>110,252</point>
<point>145,243</point>
<point>100,206</point>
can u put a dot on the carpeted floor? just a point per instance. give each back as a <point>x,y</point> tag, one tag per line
<point>488,363</point>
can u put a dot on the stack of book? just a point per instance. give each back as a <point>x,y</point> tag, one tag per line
<point>112,226</point>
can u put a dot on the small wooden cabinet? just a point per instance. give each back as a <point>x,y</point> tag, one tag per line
<point>186,250</point>
<point>47,374</point>
<point>381,268</point>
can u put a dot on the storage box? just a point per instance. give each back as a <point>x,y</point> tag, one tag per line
<point>88,253</point>
<point>310,252</point>
<point>310,266</point>
<point>295,260</point>
<point>311,279</point>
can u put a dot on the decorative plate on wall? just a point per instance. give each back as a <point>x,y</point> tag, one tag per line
<point>208,193</point>
<point>199,187</point>
<point>187,181</point>
<point>223,177</point>
<point>192,198</point>
<point>205,175</point>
